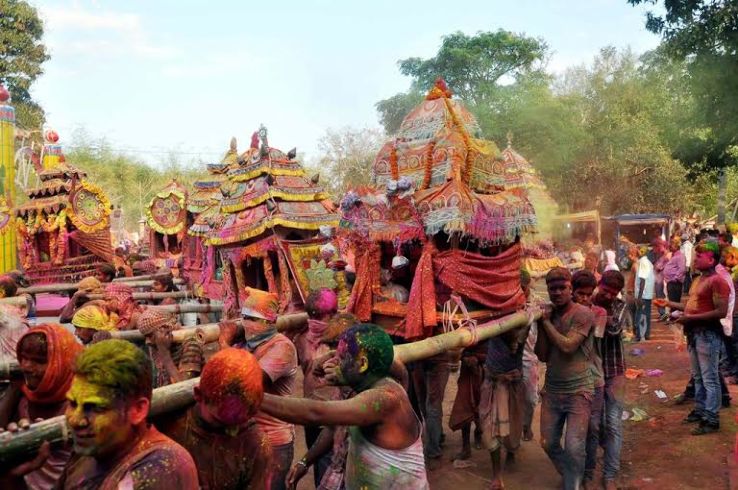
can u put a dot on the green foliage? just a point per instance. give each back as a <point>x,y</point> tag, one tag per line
<point>702,34</point>
<point>393,110</point>
<point>474,65</point>
<point>345,158</point>
<point>603,136</point>
<point>476,69</point>
<point>21,57</point>
<point>127,181</point>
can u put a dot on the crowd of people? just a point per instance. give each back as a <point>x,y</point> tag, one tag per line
<point>369,420</point>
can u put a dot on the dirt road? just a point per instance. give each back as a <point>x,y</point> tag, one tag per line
<point>658,453</point>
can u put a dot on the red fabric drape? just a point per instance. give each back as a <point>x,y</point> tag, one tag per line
<point>490,281</point>
<point>421,306</point>
<point>493,282</point>
<point>367,281</point>
<point>62,349</point>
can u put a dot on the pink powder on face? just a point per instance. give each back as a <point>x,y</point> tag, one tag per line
<point>327,301</point>
<point>232,411</point>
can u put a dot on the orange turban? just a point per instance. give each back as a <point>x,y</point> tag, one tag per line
<point>61,350</point>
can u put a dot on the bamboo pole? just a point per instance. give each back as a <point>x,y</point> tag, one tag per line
<point>184,308</point>
<point>149,277</point>
<point>150,296</point>
<point>462,337</point>
<point>64,287</point>
<point>10,370</point>
<point>211,331</point>
<point>14,301</point>
<point>23,444</point>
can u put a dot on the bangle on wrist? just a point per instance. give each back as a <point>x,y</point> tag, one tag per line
<point>303,462</point>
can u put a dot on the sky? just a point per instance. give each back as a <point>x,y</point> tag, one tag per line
<point>155,77</point>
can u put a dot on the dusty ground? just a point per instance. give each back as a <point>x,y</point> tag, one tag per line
<point>658,453</point>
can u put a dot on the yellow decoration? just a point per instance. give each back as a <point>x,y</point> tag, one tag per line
<point>94,205</point>
<point>8,238</point>
<point>163,195</point>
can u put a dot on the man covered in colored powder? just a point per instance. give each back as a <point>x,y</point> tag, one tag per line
<point>114,446</point>
<point>278,360</point>
<point>583,285</point>
<point>613,367</point>
<point>92,318</point>
<point>170,363</point>
<point>385,445</point>
<point>119,300</point>
<point>566,344</point>
<point>46,355</point>
<point>707,305</point>
<point>501,399</point>
<point>88,285</point>
<point>220,431</point>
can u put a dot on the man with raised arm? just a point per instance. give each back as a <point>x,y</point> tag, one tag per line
<point>385,446</point>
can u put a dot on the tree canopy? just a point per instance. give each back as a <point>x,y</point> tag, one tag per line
<point>21,55</point>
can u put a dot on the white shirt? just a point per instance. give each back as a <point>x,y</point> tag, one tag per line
<point>645,271</point>
<point>687,251</point>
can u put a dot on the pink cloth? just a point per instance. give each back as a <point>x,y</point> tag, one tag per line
<point>278,359</point>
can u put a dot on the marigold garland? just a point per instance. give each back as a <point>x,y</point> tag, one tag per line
<point>466,170</point>
<point>428,164</point>
<point>104,204</point>
<point>393,162</point>
<point>181,201</point>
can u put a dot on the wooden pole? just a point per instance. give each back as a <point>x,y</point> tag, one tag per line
<point>64,287</point>
<point>10,370</point>
<point>23,444</point>
<point>19,446</point>
<point>462,337</point>
<point>211,331</point>
<point>148,277</point>
<point>14,301</point>
<point>184,308</point>
<point>150,296</point>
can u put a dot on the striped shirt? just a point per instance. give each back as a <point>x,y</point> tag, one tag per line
<point>613,358</point>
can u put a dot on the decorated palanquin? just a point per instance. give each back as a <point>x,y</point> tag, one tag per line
<point>435,238</point>
<point>266,226</point>
<point>166,220</point>
<point>64,227</point>
<point>539,255</point>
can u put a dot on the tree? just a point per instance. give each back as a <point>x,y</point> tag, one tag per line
<point>21,57</point>
<point>702,33</point>
<point>473,66</point>
<point>346,158</point>
<point>476,68</point>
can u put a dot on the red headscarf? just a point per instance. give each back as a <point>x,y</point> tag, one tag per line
<point>127,306</point>
<point>61,351</point>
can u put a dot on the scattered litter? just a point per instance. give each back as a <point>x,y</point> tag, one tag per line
<point>655,422</point>
<point>460,464</point>
<point>647,480</point>
<point>654,372</point>
<point>631,373</point>
<point>626,415</point>
<point>661,394</point>
<point>658,347</point>
<point>639,415</point>
<point>637,351</point>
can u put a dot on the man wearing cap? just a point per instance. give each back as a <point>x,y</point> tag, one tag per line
<point>278,360</point>
<point>169,364</point>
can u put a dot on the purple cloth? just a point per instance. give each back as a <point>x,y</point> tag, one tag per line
<point>675,268</point>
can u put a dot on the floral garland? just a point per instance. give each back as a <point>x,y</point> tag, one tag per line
<point>428,164</point>
<point>104,202</point>
<point>466,171</point>
<point>393,162</point>
<point>172,230</point>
